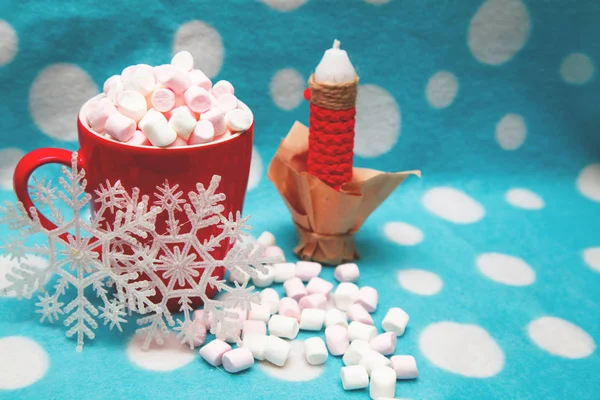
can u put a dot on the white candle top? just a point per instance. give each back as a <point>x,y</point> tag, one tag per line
<point>335,66</point>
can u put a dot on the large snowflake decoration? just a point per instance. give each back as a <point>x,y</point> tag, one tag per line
<point>120,259</point>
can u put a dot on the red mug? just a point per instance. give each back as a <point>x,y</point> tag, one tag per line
<point>146,168</point>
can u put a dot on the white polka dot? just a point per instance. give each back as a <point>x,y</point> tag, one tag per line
<point>256,169</point>
<point>463,349</point>
<point>588,182</point>
<point>524,198</point>
<point>577,69</point>
<point>511,131</point>
<point>591,257</point>
<point>9,43</point>
<point>505,269</point>
<point>296,369</point>
<point>403,233</point>
<point>441,89</point>
<point>284,5</point>
<point>166,357</point>
<point>7,265</point>
<point>453,205</point>
<point>55,97</point>
<point>377,2</point>
<point>420,281</point>
<point>24,362</point>
<point>8,161</point>
<point>560,337</point>
<point>287,88</point>
<point>378,121</point>
<point>498,31</point>
<point>205,44</point>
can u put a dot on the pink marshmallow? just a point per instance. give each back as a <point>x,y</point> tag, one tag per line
<point>139,139</point>
<point>319,285</point>
<point>198,332</point>
<point>227,102</point>
<point>146,68</point>
<point>337,339</point>
<point>204,132</point>
<point>254,327</point>
<point>174,78</point>
<point>306,270</point>
<point>128,72</point>
<point>198,78</point>
<point>356,312</point>
<point>289,307</point>
<point>199,316</point>
<point>237,360</point>
<point>197,99</point>
<point>163,99</point>
<point>368,298</point>
<point>120,127</point>
<point>213,352</point>
<point>277,252</point>
<point>384,343</point>
<point>346,272</point>
<point>221,88</point>
<point>294,288</point>
<point>98,112</point>
<point>405,367</point>
<point>216,116</point>
<point>110,82</point>
<point>315,300</point>
<point>179,142</point>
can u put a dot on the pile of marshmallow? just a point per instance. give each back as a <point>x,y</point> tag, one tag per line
<point>313,304</point>
<point>167,106</point>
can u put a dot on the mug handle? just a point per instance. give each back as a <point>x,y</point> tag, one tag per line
<point>29,163</point>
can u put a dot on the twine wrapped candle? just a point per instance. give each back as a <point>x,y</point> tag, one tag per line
<point>333,90</point>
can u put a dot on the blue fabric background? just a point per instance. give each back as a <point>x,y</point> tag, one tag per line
<point>397,46</point>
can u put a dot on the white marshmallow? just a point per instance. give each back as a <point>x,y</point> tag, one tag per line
<point>174,78</point>
<point>238,276</point>
<point>182,122</point>
<point>356,312</point>
<point>315,351</point>
<point>334,316</point>
<point>198,78</point>
<point>238,120</point>
<point>384,343</point>
<point>368,298</point>
<point>216,116</point>
<point>116,87</point>
<point>264,279</point>
<point>157,130</point>
<point>346,272</point>
<point>270,297</point>
<point>266,239</point>
<point>256,343</point>
<point>358,348</point>
<point>354,377</point>
<point>337,339</point>
<point>142,81</point>
<point>306,270</point>
<point>253,327</point>
<point>132,104</point>
<point>277,350</point>
<point>213,352</point>
<point>276,253</point>
<point>110,82</point>
<point>345,295</point>
<point>284,272</point>
<point>237,360</point>
<point>128,72</point>
<point>358,330</point>
<point>373,359</point>
<point>383,383</point>
<point>259,312</point>
<point>319,285</point>
<point>282,326</point>
<point>222,87</point>
<point>315,300</point>
<point>152,113</point>
<point>294,288</point>
<point>405,367</point>
<point>227,102</point>
<point>183,60</point>
<point>312,319</point>
<point>204,132</point>
<point>395,321</point>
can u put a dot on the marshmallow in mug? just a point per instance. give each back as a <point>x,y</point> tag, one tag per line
<point>195,110</point>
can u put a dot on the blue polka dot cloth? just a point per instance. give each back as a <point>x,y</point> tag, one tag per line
<point>494,253</point>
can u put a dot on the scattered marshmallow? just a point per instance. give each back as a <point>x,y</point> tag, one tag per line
<point>290,308</point>
<point>266,239</point>
<point>253,327</point>
<point>275,252</point>
<point>132,104</point>
<point>205,319</point>
<point>345,295</point>
<point>383,383</point>
<point>264,279</point>
<point>312,319</point>
<point>354,377</point>
<point>257,344</point>
<point>356,312</point>
<point>259,312</point>
<point>294,288</point>
<point>120,127</point>
<point>315,300</point>
<point>405,367</point>
<point>315,351</point>
<point>282,326</point>
<point>183,60</point>
<point>197,332</point>
<point>358,330</point>
<point>334,316</point>
<point>204,132</point>
<point>384,343</point>
<point>237,360</point>
<point>306,270</point>
<point>395,321</point>
<point>213,352</point>
<point>346,272</point>
<point>373,359</point>
<point>238,120</point>
<point>337,339</point>
<point>368,298</point>
<point>284,271</point>
<point>163,99</point>
<point>270,297</point>
<point>277,350</point>
<point>222,87</point>
<point>319,285</point>
<point>357,349</point>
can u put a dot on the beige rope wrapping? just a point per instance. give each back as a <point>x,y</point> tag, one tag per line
<point>333,95</point>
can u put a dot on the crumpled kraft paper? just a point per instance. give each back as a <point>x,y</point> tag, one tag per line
<point>326,220</point>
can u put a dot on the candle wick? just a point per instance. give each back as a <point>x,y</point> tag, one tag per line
<point>336,44</point>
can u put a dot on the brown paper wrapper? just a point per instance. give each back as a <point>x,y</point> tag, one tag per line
<point>326,220</point>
